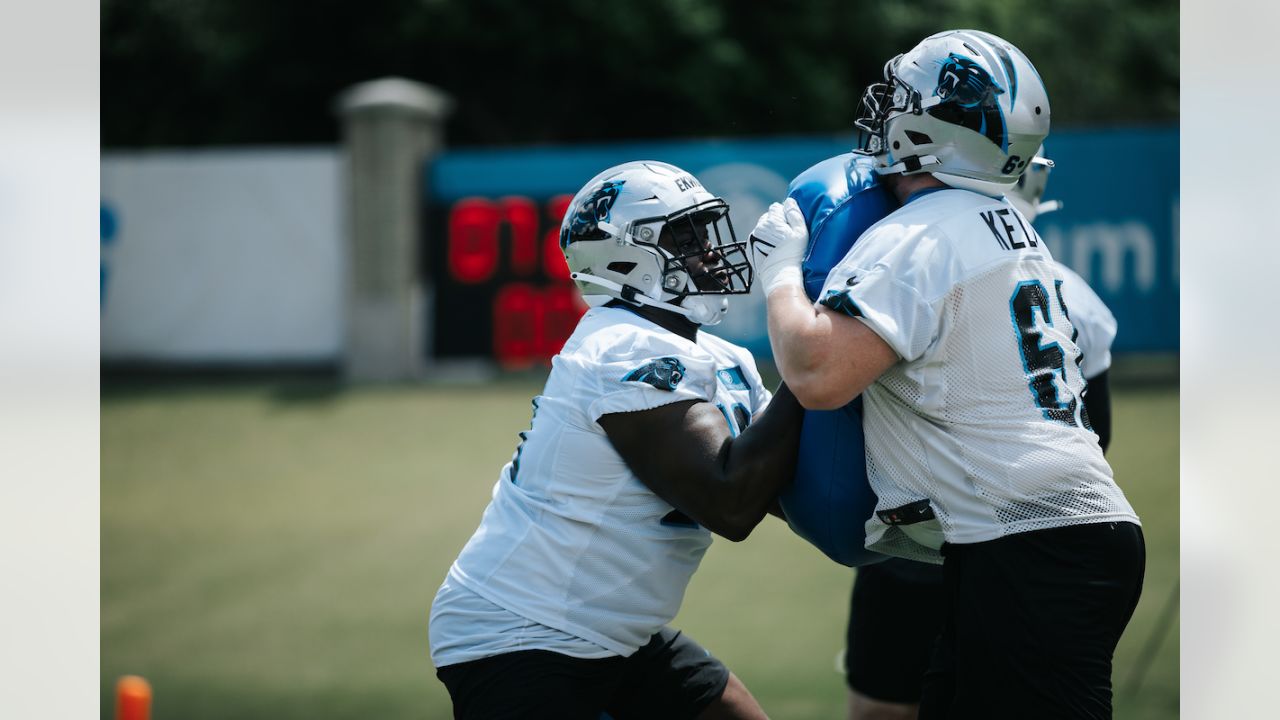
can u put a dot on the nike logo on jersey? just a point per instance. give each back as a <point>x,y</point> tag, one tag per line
<point>909,514</point>
<point>998,223</point>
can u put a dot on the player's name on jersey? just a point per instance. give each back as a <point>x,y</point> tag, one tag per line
<point>998,222</point>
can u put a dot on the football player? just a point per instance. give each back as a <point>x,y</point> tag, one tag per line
<point>890,633</point>
<point>648,437</point>
<point>949,318</point>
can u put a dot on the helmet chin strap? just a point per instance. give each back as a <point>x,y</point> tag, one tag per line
<point>695,315</point>
<point>913,164</point>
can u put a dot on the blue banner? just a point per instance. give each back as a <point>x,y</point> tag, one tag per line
<point>1118,227</point>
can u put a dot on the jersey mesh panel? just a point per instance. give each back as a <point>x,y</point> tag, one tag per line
<point>1057,475</point>
<point>962,422</point>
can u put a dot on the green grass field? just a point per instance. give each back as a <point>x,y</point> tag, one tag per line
<point>270,550</point>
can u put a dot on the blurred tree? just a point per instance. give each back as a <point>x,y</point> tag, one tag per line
<point>196,72</point>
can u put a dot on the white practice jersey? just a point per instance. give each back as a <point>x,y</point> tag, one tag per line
<point>572,540</point>
<point>982,417</point>
<point>1093,321</point>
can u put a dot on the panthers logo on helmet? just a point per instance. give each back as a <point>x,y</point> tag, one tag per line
<point>966,83</point>
<point>971,93</point>
<point>593,210</point>
<point>664,373</point>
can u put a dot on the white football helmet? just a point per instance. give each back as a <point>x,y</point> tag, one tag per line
<point>1026,194</point>
<point>964,105</point>
<point>648,233</point>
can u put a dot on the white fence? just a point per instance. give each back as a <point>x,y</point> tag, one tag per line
<point>222,256</point>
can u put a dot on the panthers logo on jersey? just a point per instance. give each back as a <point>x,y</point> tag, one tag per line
<point>969,99</point>
<point>592,211</point>
<point>839,301</point>
<point>664,373</point>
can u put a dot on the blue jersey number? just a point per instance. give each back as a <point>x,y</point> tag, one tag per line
<point>1045,364</point>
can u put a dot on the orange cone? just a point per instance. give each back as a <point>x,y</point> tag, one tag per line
<point>133,698</point>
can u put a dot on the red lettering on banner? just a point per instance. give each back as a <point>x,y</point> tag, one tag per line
<point>532,313</point>
<point>530,325</point>
<point>473,240</point>
<point>521,216</point>
<point>517,325</point>
<point>563,307</point>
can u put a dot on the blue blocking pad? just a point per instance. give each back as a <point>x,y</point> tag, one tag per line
<point>840,198</point>
<point>830,501</point>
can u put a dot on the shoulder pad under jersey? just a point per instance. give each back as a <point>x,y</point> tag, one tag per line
<point>840,197</point>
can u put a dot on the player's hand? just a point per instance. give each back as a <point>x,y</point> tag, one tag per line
<point>778,243</point>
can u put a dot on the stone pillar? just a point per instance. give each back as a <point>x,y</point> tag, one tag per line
<point>390,127</point>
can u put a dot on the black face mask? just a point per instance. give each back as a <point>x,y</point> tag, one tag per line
<point>700,242</point>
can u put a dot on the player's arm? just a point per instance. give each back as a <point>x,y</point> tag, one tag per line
<point>1097,402</point>
<point>685,454</point>
<point>827,357</point>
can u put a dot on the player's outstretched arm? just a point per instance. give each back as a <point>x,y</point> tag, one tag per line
<point>685,453</point>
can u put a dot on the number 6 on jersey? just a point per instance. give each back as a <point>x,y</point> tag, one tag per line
<point>1044,363</point>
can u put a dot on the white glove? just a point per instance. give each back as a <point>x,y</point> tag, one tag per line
<point>778,243</point>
